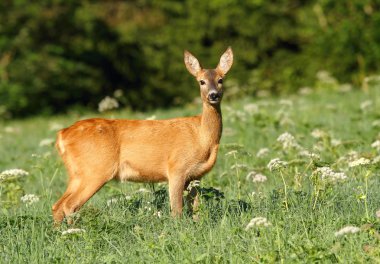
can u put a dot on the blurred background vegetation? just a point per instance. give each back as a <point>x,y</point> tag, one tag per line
<point>57,54</point>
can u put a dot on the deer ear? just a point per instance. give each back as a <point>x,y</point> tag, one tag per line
<point>226,61</point>
<point>192,64</point>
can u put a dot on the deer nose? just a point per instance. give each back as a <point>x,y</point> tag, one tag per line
<point>213,96</point>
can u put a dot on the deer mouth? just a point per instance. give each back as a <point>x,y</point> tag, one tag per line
<point>214,97</point>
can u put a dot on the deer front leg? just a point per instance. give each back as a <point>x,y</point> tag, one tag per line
<point>176,187</point>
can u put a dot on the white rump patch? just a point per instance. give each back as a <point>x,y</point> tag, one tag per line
<point>61,145</point>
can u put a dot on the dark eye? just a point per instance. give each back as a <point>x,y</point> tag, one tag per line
<point>202,82</point>
<point>220,81</point>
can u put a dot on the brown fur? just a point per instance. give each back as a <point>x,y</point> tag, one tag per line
<point>176,150</point>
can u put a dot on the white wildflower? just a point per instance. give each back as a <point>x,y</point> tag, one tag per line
<point>152,117</point>
<point>347,230</point>
<point>376,144</point>
<point>376,160</point>
<point>231,153</point>
<point>239,166</point>
<point>73,231</point>
<point>286,121</point>
<point>276,164</point>
<point>262,152</point>
<point>325,76</point>
<point>256,177</point>
<point>319,146</point>
<point>193,184</point>
<point>328,174</point>
<point>112,201</point>
<point>10,129</point>
<point>318,133</point>
<point>345,88</point>
<point>12,173</point>
<point>46,142</point>
<point>308,154</point>
<point>29,199</point>
<point>118,93</point>
<point>336,142</point>
<point>116,200</point>
<point>158,214</point>
<point>285,102</point>
<point>108,103</point>
<point>378,213</point>
<point>366,105</point>
<point>376,123</point>
<point>305,91</point>
<point>287,140</point>
<point>252,109</point>
<point>257,222</point>
<point>263,93</point>
<point>55,126</point>
<point>143,190</point>
<point>359,162</point>
<point>352,155</point>
<point>229,132</point>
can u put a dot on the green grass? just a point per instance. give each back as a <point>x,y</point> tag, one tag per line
<point>129,230</point>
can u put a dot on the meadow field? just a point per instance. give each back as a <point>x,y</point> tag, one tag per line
<point>296,181</point>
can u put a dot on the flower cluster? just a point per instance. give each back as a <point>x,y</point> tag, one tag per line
<point>318,133</point>
<point>376,160</point>
<point>29,199</point>
<point>308,154</point>
<point>116,200</point>
<point>262,152</point>
<point>231,153</point>
<point>12,173</point>
<point>364,106</point>
<point>73,231</point>
<point>288,141</point>
<point>46,142</point>
<point>378,213</point>
<point>256,177</point>
<point>108,103</point>
<point>347,230</point>
<point>328,174</point>
<point>152,117</point>
<point>276,164</point>
<point>376,144</point>
<point>251,109</point>
<point>257,222</point>
<point>359,162</point>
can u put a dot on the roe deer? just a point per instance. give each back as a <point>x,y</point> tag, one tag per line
<point>177,150</point>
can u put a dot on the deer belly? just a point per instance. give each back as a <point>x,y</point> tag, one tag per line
<point>134,173</point>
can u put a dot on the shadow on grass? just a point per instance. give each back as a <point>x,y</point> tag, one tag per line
<point>213,203</point>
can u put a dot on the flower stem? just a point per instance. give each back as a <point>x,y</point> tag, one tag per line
<point>285,191</point>
<point>366,193</point>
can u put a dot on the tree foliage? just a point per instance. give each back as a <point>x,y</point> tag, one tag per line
<point>55,54</point>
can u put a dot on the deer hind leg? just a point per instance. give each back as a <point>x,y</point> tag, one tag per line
<point>79,191</point>
<point>78,198</point>
<point>58,213</point>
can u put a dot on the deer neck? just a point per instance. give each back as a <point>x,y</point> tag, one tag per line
<point>211,124</point>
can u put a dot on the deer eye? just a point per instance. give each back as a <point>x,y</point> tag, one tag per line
<point>220,81</point>
<point>202,82</point>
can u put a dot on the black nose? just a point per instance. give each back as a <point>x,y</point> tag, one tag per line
<point>213,96</point>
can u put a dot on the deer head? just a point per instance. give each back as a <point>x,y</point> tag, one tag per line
<point>210,80</point>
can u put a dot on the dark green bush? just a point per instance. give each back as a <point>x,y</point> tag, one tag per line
<point>61,53</point>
